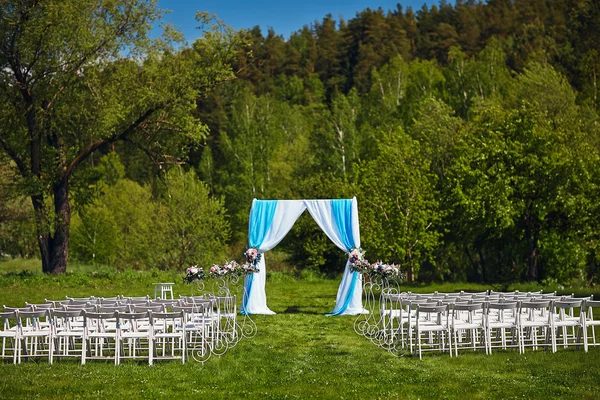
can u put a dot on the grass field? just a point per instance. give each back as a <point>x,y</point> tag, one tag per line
<point>298,353</point>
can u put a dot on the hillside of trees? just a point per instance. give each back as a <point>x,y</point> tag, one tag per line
<point>468,132</point>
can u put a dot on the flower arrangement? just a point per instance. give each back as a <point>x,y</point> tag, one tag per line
<point>355,255</point>
<point>249,268</point>
<point>357,261</point>
<point>193,274</point>
<point>252,255</point>
<point>386,270</point>
<point>229,268</point>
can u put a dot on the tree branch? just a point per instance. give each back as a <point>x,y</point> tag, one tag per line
<point>14,156</point>
<point>98,143</point>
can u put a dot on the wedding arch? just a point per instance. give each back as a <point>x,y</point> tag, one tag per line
<point>271,220</point>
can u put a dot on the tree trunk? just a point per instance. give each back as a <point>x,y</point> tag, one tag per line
<point>532,233</point>
<point>54,249</point>
<point>482,262</point>
<point>60,243</point>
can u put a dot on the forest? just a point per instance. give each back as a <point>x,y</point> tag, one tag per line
<point>468,132</point>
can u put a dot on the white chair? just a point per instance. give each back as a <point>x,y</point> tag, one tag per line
<point>67,333</point>
<point>434,321</point>
<point>534,324</point>
<point>9,335</point>
<point>225,316</point>
<point>592,320</point>
<point>133,341</point>
<point>408,320</point>
<point>100,337</point>
<point>390,311</point>
<point>163,289</point>
<point>501,325</point>
<point>168,334</point>
<point>199,326</point>
<point>562,320</point>
<point>468,326</point>
<point>34,333</point>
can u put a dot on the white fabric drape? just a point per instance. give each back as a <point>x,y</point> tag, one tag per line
<point>286,214</point>
<point>321,212</point>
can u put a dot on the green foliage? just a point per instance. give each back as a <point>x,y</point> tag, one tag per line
<point>398,208</point>
<point>191,227</point>
<point>468,132</point>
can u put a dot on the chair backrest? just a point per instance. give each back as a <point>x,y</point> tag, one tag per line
<point>13,309</point>
<point>137,301</point>
<point>81,302</point>
<point>468,306</point>
<point>57,303</point>
<point>535,304</point>
<point>121,308</point>
<point>506,305</point>
<point>33,319</point>
<point>85,306</point>
<point>37,306</point>
<point>132,318</point>
<point>67,313</point>
<point>162,320</point>
<point>63,319</point>
<point>98,321</point>
<point>8,320</point>
<point>132,299</point>
<point>143,308</point>
<point>225,304</point>
<point>166,303</point>
<point>113,299</point>
<point>568,303</point>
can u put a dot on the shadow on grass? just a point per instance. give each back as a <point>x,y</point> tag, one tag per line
<point>298,310</point>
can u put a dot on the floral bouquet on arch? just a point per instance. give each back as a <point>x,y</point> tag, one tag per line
<point>357,261</point>
<point>249,268</point>
<point>193,274</point>
<point>252,255</point>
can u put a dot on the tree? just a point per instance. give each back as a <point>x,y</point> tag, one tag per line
<point>398,207</point>
<point>192,226</point>
<point>76,78</point>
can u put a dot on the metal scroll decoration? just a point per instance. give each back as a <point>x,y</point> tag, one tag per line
<point>217,325</point>
<point>381,298</point>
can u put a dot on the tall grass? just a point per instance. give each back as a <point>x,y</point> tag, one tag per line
<point>298,353</point>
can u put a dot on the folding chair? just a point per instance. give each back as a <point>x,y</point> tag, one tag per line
<point>468,326</point>
<point>100,337</point>
<point>534,323</point>
<point>168,335</point>
<point>434,321</point>
<point>565,314</point>
<point>34,332</point>
<point>501,319</point>
<point>592,320</point>
<point>67,333</point>
<point>133,342</point>
<point>10,335</point>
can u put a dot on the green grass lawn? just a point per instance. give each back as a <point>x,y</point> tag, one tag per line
<point>298,353</point>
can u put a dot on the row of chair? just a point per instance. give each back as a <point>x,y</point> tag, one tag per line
<point>157,329</point>
<point>449,323</point>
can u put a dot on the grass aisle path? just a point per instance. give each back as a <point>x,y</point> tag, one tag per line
<point>298,353</point>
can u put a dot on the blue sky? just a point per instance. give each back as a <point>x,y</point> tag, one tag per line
<point>285,17</point>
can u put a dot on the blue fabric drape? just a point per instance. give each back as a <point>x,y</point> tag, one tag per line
<point>342,216</point>
<point>261,219</point>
